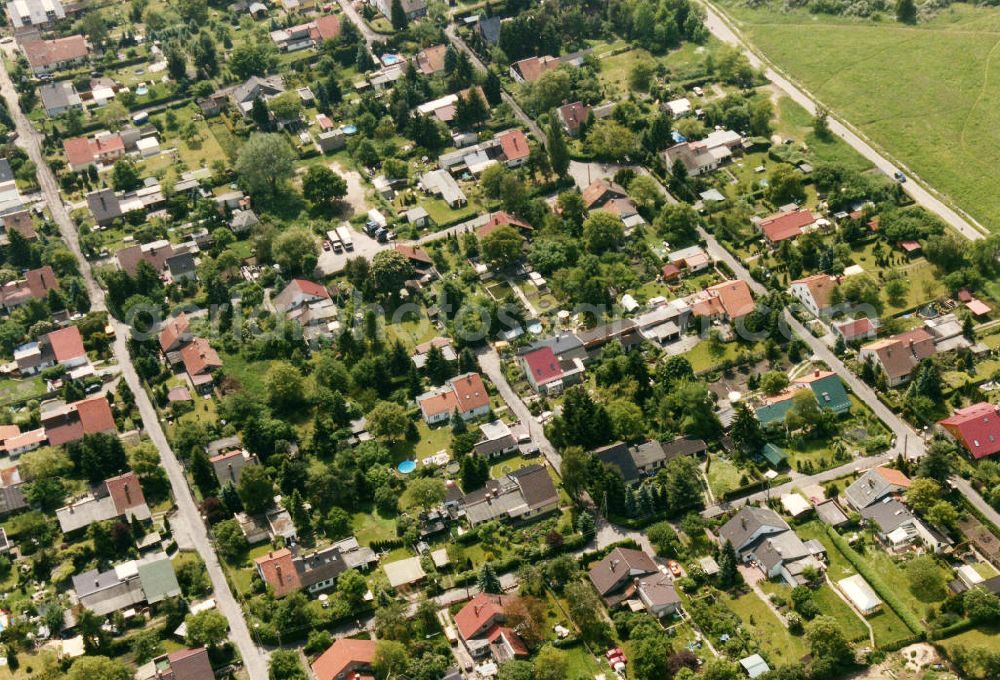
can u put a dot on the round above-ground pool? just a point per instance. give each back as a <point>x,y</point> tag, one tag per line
<point>407,466</point>
<point>349,129</point>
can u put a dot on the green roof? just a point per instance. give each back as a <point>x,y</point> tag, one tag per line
<point>775,455</point>
<point>158,580</point>
<point>830,393</point>
<point>773,413</point>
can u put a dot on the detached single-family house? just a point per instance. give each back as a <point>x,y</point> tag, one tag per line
<point>119,496</point>
<point>600,191</point>
<point>299,293</point>
<point>306,35</point>
<point>976,428</point>
<point>185,664</point>
<point>498,440</point>
<point>414,9</point>
<point>759,534</point>
<point>59,97</point>
<point>547,374</point>
<point>514,146</point>
<point>481,625</point>
<point>286,572</point>
<point>35,285</point>
<point>522,495</point>
<point>45,56</point>
<point>465,394</point>
<point>614,576</point>
<point>441,183</point>
<point>815,293</point>
<point>658,594</point>
<point>228,466</point>
<point>856,330</point>
<point>150,579</point>
<point>531,69</point>
<point>65,423</point>
<point>200,360</point>
<point>705,155</point>
<point>346,659</point>
<point>875,485</point>
<point>828,390</point>
<point>679,107</point>
<point>82,152</point>
<point>727,301</point>
<point>898,528</point>
<point>899,355</point>
<point>430,60</point>
<point>573,117</point>
<point>784,226</point>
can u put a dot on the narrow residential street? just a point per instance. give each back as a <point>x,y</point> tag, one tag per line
<point>367,33</point>
<point>977,501</point>
<point>30,141</point>
<point>489,361</point>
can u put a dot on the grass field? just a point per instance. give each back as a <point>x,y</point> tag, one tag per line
<point>780,645</point>
<point>923,93</point>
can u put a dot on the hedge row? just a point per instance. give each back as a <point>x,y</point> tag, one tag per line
<point>953,629</point>
<point>896,645</point>
<point>753,487</point>
<point>887,595</point>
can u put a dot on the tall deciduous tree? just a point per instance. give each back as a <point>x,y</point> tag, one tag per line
<point>264,163</point>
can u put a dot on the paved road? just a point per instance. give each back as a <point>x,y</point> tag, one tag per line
<point>964,224</point>
<point>976,500</point>
<point>907,439</point>
<point>367,33</point>
<point>489,361</point>
<point>30,141</point>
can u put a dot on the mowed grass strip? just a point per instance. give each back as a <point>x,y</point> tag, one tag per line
<point>925,94</point>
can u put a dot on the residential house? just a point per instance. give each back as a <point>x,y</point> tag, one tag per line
<point>417,256</point>
<point>531,69</point>
<point>414,9</point>
<point>617,456</point>
<point>573,117</point>
<point>522,495</point>
<point>481,627</point>
<point>625,210</point>
<point>498,440</point>
<point>200,360</point>
<point>760,535</point>
<point>45,56</point>
<point>430,60</point>
<point>65,423</point>
<point>10,195</point>
<point>678,107</point>
<point>441,183</point>
<point>175,333</point>
<point>705,155</point>
<point>150,579</point>
<point>499,219</point>
<point>856,330</point>
<point>488,30</point>
<point>82,152</point>
<point>228,466</point>
<point>514,147</point>
<point>828,390</point>
<point>184,664</point>
<point>658,594</point>
<point>784,226</point>
<point>899,355</point>
<point>20,222</point>
<point>897,528</point>
<point>465,394</point>
<point>181,266</point>
<point>624,331</point>
<point>310,34</point>
<point>443,344</point>
<point>243,221</point>
<point>299,293</point>
<point>692,259</point>
<point>286,572</point>
<point>63,347</point>
<point>15,443</point>
<point>976,428</point>
<point>614,577</point>
<point>815,292</point>
<point>639,460</point>
<point>875,485</point>
<point>34,14</point>
<point>59,97</point>
<point>346,659</point>
<point>35,285</point>
<point>727,301</point>
<point>116,497</point>
<point>565,346</point>
<point>155,254</point>
<point>11,490</point>
<point>547,374</point>
<point>242,96</point>
<point>600,191</point>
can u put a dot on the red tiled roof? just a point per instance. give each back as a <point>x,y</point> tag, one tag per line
<point>783,226</point>
<point>324,121</point>
<point>670,271</point>
<point>41,281</point>
<point>43,53</point>
<point>593,194</point>
<point>856,328</point>
<point>499,219</point>
<point>512,638</point>
<point>430,60</point>
<point>66,343</point>
<point>88,416</point>
<point>820,287</point>
<point>734,296</point>
<point>307,287</point>
<point>78,151</point>
<point>199,357</point>
<point>480,614</point>
<point>415,253</point>
<point>173,331</point>
<point>893,476</point>
<point>190,664</point>
<point>8,431</point>
<point>978,307</point>
<point>327,27</point>
<point>514,144</point>
<point>444,401</point>
<point>574,115</point>
<point>910,246</point>
<point>278,570</point>
<point>125,491</point>
<point>532,68</point>
<point>543,365</point>
<point>343,656</point>
<point>470,392</point>
<point>977,427</point>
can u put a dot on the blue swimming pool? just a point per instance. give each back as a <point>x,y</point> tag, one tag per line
<point>390,59</point>
<point>407,466</point>
<point>349,129</point>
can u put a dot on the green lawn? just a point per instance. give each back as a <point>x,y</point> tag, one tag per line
<point>372,527</point>
<point>723,476</point>
<point>780,646</point>
<point>702,358</point>
<point>924,93</point>
<point>432,440</point>
<point>20,389</point>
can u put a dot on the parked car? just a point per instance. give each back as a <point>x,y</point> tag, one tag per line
<point>900,177</point>
<point>675,568</point>
<point>327,245</point>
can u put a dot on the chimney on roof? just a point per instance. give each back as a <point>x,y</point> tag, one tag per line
<point>232,473</point>
<point>743,522</point>
<point>816,373</point>
<point>277,570</point>
<point>128,494</point>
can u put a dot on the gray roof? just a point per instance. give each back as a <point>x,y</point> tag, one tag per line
<point>60,95</point>
<point>217,446</point>
<point>659,590</point>
<point>619,457</point>
<point>255,86</point>
<point>6,173</point>
<point>564,346</point>
<point>830,512</point>
<point>888,515</point>
<point>781,548</point>
<point>749,520</point>
<point>869,488</point>
<point>618,568</point>
<point>536,485</point>
<point>684,446</point>
<point>182,263</point>
<point>158,580</point>
<point>104,205</point>
<point>490,29</point>
<point>648,453</point>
